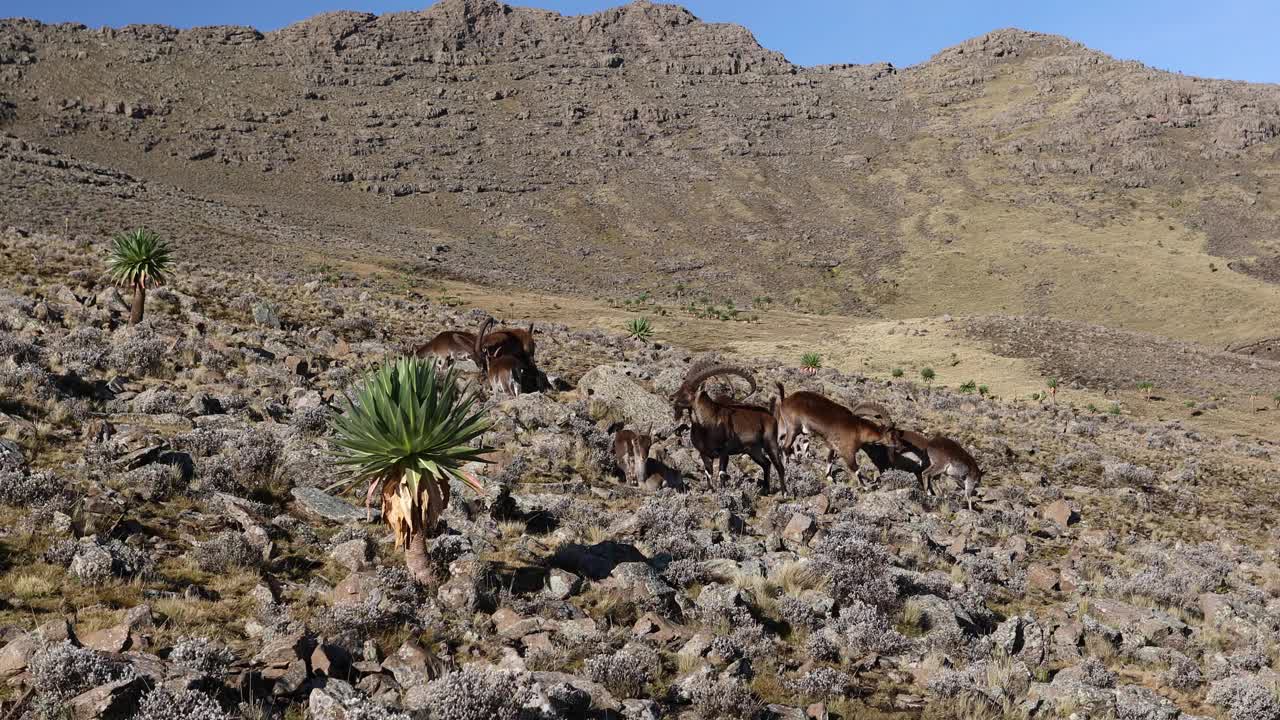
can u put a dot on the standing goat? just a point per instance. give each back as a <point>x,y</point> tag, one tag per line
<point>631,450</point>
<point>449,345</point>
<point>806,412</point>
<point>947,457</point>
<point>720,428</point>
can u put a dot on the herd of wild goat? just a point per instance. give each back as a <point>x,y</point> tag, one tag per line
<point>720,427</point>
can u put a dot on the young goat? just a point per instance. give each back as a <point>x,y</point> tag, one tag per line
<point>631,450</point>
<point>928,457</point>
<point>720,428</point>
<point>946,457</point>
<point>805,412</point>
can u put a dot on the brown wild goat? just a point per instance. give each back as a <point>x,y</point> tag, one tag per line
<point>910,456</point>
<point>448,346</point>
<point>802,413</point>
<point>720,428</point>
<point>631,450</point>
<point>946,457</point>
<point>503,372</point>
<point>516,342</point>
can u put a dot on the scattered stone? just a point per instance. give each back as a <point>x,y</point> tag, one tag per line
<point>1060,512</point>
<point>321,504</point>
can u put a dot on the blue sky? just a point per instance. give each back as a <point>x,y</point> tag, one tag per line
<point>1229,38</point>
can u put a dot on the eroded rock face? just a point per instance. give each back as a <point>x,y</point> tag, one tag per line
<point>519,109</point>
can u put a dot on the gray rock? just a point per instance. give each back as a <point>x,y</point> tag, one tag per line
<point>614,386</point>
<point>562,584</point>
<point>1139,703</point>
<point>113,701</point>
<point>11,457</point>
<point>354,555</point>
<point>535,410</point>
<point>320,503</point>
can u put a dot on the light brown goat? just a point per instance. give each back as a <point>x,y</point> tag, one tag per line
<point>631,450</point>
<point>720,428</point>
<point>947,457</point>
<point>449,345</point>
<point>806,412</point>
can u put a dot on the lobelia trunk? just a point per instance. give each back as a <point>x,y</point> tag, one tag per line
<point>414,519</point>
<point>139,300</point>
<point>417,561</point>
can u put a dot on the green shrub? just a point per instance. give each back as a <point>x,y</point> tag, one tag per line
<point>639,328</point>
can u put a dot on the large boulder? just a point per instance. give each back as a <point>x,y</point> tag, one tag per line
<point>615,386</point>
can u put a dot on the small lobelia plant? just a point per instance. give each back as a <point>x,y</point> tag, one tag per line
<point>811,361</point>
<point>983,390</point>
<point>927,374</point>
<point>897,372</point>
<point>1146,387</point>
<point>639,328</point>
<point>968,387</point>
<point>1052,384</point>
<point>138,260</point>
<point>407,432</point>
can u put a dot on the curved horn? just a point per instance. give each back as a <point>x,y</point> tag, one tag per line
<point>478,354</point>
<point>874,410</point>
<point>696,379</point>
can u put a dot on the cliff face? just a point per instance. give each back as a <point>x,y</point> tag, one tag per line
<point>643,144</point>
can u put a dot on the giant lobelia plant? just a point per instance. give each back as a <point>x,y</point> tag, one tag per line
<point>407,431</point>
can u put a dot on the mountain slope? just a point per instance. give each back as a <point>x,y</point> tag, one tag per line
<point>642,149</point>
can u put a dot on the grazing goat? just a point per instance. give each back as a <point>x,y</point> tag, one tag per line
<point>503,372</point>
<point>910,456</point>
<point>631,450</point>
<point>806,412</point>
<point>933,456</point>
<point>720,428</point>
<point>449,346</point>
<point>946,457</point>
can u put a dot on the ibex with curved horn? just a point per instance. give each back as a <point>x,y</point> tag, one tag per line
<point>504,371</point>
<point>516,342</point>
<point>721,429</point>
<point>802,413</point>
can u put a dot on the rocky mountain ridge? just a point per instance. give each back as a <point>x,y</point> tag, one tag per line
<point>564,152</point>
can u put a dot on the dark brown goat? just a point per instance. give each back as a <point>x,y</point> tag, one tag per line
<point>720,429</point>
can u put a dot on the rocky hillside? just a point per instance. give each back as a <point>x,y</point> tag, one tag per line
<point>168,547</point>
<point>1016,173</point>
